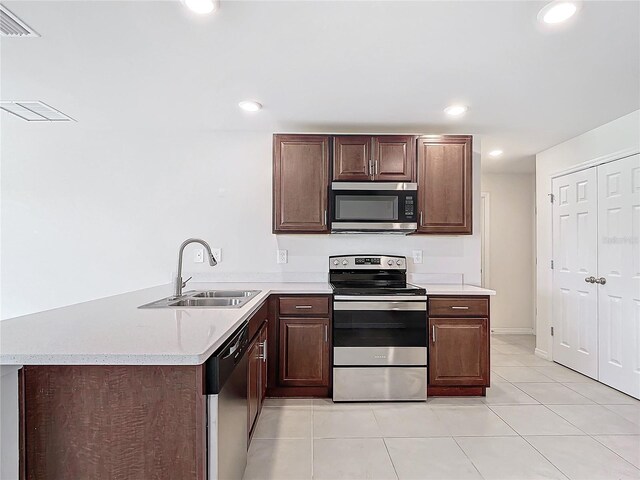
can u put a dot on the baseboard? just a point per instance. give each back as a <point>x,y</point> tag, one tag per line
<point>511,331</point>
<point>541,353</point>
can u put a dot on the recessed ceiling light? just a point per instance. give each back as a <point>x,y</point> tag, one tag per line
<point>495,153</point>
<point>250,105</point>
<point>456,110</point>
<point>202,6</point>
<point>557,12</point>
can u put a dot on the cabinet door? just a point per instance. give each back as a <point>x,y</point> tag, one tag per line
<point>352,158</point>
<point>300,183</point>
<point>394,158</point>
<point>304,352</point>
<point>458,351</point>
<point>263,365</point>
<point>253,382</point>
<point>445,184</point>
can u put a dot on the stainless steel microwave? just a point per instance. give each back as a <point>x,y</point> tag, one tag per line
<point>373,207</point>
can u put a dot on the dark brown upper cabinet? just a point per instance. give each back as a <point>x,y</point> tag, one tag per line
<point>369,158</point>
<point>300,183</point>
<point>352,158</point>
<point>394,158</point>
<point>445,184</point>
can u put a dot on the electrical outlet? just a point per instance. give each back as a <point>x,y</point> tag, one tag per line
<point>417,256</point>
<point>198,255</point>
<point>282,256</point>
<point>217,254</point>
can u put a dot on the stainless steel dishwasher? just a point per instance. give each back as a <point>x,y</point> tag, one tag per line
<point>226,389</point>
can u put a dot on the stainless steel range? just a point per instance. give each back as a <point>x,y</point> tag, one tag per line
<point>379,330</point>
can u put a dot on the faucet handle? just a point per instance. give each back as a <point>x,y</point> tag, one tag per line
<point>184,284</point>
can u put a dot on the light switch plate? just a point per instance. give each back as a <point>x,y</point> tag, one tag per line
<point>282,257</point>
<point>417,256</point>
<point>198,255</point>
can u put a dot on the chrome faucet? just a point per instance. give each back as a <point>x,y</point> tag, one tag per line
<point>179,284</point>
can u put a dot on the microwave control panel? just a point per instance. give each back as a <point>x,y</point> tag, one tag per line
<point>409,209</point>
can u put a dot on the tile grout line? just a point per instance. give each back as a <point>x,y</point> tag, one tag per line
<point>611,450</point>
<point>544,456</point>
<point>384,442</point>
<point>467,456</point>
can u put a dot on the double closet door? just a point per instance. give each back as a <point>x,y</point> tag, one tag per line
<point>596,275</point>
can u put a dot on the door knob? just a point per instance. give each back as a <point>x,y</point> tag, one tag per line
<point>590,279</point>
<point>601,280</point>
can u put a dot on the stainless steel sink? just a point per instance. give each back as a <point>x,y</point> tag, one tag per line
<point>209,302</point>
<point>226,293</point>
<point>205,299</point>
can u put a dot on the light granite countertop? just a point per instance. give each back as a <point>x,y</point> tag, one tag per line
<point>114,331</point>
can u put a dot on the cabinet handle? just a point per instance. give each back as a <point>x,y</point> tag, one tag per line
<point>304,307</point>
<point>433,333</point>
<point>263,355</point>
<point>326,333</point>
<point>420,224</point>
<point>325,216</point>
<point>590,279</point>
<point>460,308</point>
<point>600,280</point>
<point>376,167</point>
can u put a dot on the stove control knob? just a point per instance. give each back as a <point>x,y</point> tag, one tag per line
<point>390,262</point>
<point>398,262</point>
<point>344,262</point>
<point>335,262</point>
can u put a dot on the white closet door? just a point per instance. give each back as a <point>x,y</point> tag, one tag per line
<point>619,265</point>
<point>575,305</point>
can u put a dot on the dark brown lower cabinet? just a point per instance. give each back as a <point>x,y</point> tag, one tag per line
<point>458,353</point>
<point>257,377</point>
<point>257,365</point>
<point>254,370</point>
<point>112,421</point>
<point>458,345</point>
<point>304,352</point>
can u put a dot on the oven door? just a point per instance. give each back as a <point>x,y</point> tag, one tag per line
<point>373,207</point>
<point>371,333</point>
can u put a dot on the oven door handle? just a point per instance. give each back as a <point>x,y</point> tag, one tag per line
<point>381,306</point>
<point>383,298</point>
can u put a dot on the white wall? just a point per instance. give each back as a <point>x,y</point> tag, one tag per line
<point>612,140</point>
<point>88,213</point>
<point>511,252</point>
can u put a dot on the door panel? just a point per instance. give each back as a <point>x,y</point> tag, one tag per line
<point>445,184</point>
<point>575,319</point>
<point>619,264</point>
<point>394,158</point>
<point>253,383</point>
<point>352,158</point>
<point>304,352</point>
<point>458,351</point>
<point>300,183</point>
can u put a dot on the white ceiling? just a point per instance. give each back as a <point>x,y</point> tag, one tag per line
<point>333,66</point>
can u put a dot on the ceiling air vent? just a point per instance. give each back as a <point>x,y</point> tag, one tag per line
<point>12,26</point>
<point>35,111</point>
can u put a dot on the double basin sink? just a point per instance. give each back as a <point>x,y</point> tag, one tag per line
<point>205,299</point>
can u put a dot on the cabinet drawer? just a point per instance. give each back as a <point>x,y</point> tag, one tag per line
<point>304,306</point>
<point>459,307</point>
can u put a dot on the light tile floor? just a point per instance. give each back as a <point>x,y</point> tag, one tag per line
<point>539,420</point>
